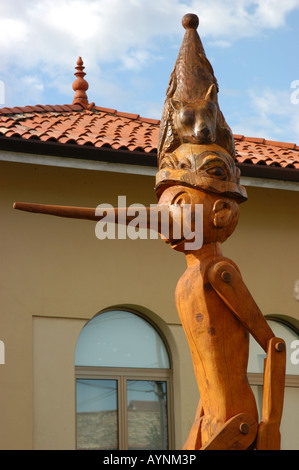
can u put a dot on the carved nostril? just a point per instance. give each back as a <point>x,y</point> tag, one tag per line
<point>205,133</point>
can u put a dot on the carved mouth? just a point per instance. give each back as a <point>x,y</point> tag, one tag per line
<point>198,140</point>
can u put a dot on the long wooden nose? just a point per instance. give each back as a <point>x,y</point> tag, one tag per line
<point>164,219</point>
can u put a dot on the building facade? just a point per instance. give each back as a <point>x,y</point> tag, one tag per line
<point>92,345</point>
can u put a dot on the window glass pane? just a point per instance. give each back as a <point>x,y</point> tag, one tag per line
<point>147,415</point>
<point>121,339</point>
<point>97,426</point>
<point>257,354</point>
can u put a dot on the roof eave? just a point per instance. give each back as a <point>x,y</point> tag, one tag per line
<point>83,152</point>
<point>128,157</point>
<point>269,172</point>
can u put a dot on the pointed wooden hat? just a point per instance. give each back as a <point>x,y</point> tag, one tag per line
<point>191,111</point>
<point>192,74</point>
<point>193,131</point>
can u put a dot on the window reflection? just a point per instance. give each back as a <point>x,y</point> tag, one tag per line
<point>113,410</point>
<point>147,414</point>
<point>97,414</point>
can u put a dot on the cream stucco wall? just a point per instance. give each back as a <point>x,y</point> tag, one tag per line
<point>55,275</point>
<point>266,248</point>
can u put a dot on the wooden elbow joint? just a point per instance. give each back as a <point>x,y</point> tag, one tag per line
<point>280,345</point>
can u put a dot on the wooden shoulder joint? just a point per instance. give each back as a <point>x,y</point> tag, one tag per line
<point>222,272</point>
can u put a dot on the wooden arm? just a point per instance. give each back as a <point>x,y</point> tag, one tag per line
<point>268,437</point>
<point>227,282</point>
<point>229,285</point>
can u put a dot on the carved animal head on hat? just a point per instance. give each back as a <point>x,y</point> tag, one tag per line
<point>191,111</point>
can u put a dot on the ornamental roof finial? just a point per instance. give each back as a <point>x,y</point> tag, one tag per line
<point>80,85</point>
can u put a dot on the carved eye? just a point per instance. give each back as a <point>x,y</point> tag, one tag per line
<point>187,117</point>
<point>213,166</point>
<point>185,164</point>
<point>216,171</point>
<point>168,162</point>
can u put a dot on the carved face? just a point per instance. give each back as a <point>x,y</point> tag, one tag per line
<point>196,122</point>
<point>219,214</point>
<point>205,167</point>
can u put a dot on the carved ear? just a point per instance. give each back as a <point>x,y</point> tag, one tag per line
<point>212,94</point>
<point>238,174</point>
<point>176,104</point>
<point>223,213</point>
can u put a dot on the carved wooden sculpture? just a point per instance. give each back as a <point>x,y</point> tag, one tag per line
<point>191,112</point>
<point>196,163</point>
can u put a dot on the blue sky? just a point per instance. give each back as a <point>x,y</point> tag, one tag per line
<point>129,48</point>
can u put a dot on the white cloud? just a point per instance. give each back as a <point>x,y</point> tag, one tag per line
<point>135,59</point>
<point>270,114</point>
<point>51,31</point>
<point>43,39</point>
<point>272,13</point>
<point>32,81</point>
<point>12,32</point>
<point>229,20</point>
<point>220,43</point>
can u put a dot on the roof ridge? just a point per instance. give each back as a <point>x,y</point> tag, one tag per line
<point>40,108</point>
<point>133,116</point>
<point>260,140</point>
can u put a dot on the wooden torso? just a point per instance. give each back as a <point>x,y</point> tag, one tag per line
<point>219,346</point>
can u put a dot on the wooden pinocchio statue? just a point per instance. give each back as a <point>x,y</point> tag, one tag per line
<point>196,160</point>
<point>218,313</point>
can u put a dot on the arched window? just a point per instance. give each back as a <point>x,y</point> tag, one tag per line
<point>123,384</point>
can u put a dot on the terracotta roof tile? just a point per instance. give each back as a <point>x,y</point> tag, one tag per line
<point>127,115</point>
<point>261,151</point>
<point>105,110</point>
<point>104,127</point>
